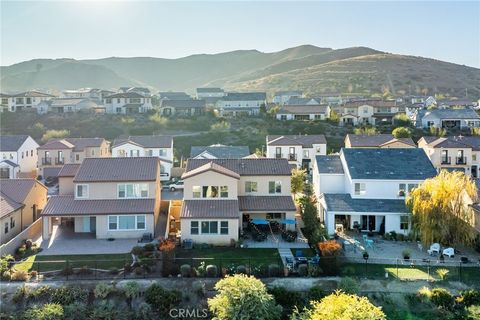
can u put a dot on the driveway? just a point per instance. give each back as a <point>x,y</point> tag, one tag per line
<point>64,241</point>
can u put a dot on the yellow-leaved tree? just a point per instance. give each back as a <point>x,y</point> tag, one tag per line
<point>440,209</point>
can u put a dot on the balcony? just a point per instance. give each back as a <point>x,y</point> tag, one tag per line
<point>46,161</point>
<point>461,160</point>
<point>278,155</point>
<point>59,160</point>
<point>446,160</point>
<point>292,157</point>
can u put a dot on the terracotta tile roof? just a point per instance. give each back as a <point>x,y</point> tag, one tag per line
<point>211,166</point>
<point>206,209</point>
<point>118,169</point>
<point>266,203</point>
<point>305,141</point>
<point>67,205</point>
<point>69,170</point>
<point>247,167</point>
<point>376,140</point>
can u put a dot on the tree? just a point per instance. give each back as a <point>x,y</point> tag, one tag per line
<point>343,306</point>
<point>243,297</point>
<point>440,209</point>
<point>334,116</point>
<point>402,120</point>
<point>365,131</point>
<point>298,181</point>
<point>55,134</point>
<point>401,132</point>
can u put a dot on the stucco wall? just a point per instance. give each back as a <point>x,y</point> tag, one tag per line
<point>104,233</point>
<point>211,178</point>
<point>108,190</point>
<point>263,182</point>
<point>215,239</point>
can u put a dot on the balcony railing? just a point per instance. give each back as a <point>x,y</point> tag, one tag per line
<point>59,160</point>
<point>446,160</point>
<point>46,161</point>
<point>461,160</point>
<point>278,156</point>
<point>292,157</point>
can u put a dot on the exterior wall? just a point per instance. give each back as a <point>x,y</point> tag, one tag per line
<point>13,106</point>
<point>66,186</point>
<point>36,197</point>
<point>263,185</point>
<point>12,232</point>
<point>215,239</point>
<point>435,156</point>
<point>392,220</point>
<point>12,171</point>
<point>379,189</point>
<point>102,231</point>
<point>285,151</point>
<point>329,183</point>
<point>67,156</point>
<point>27,155</point>
<point>211,178</point>
<point>312,116</point>
<point>111,107</point>
<point>108,190</point>
<point>436,122</point>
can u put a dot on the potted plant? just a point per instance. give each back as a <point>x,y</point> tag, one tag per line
<point>365,255</point>
<point>406,254</point>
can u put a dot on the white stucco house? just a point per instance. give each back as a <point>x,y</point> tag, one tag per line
<point>448,118</point>
<point>304,113</point>
<point>18,156</point>
<point>24,101</point>
<point>127,103</point>
<point>365,188</point>
<point>241,103</point>
<point>282,97</point>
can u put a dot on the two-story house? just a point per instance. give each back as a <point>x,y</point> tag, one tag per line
<point>448,118</point>
<point>219,151</point>
<point>241,103</point>
<point>57,152</point>
<point>453,153</point>
<point>182,108</point>
<point>365,188</point>
<point>368,111</point>
<point>210,95</point>
<point>300,101</point>
<point>222,196</point>
<point>21,201</point>
<point>299,150</point>
<point>24,101</point>
<point>69,105</point>
<point>303,113</point>
<point>112,198</point>
<point>127,103</point>
<point>147,146</point>
<point>377,141</point>
<point>18,156</point>
<point>282,97</point>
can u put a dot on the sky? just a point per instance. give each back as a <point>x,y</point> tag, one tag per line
<point>445,30</point>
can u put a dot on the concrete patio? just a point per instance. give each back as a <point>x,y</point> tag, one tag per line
<point>64,241</point>
<point>275,241</point>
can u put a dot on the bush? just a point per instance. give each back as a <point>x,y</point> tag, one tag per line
<point>303,270</point>
<point>273,270</point>
<point>288,299</point>
<point>21,250</point>
<point>131,290</point>
<point>69,294</point>
<point>424,294</point>
<point>127,267</point>
<point>149,247</point>
<point>185,270</point>
<point>102,290</point>
<point>211,271</point>
<point>199,288</point>
<point>137,250</point>
<point>442,273</point>
<point>144,312</point>
<point>42,293</point>
<point>473,312</point>
<point>160,299</point>
<point>7,275</point>
<point>77,311</point>
<point>348,285</point>
<point>49,311</point>
<point>241,269</point>
<point>20,294</point>
<point>470,297</point>
<point>442,298</point>
<point>316,293</point>
<point>19,275</point>
<point>138,271</point>
<point>106,311</point>
<point>33,274</point>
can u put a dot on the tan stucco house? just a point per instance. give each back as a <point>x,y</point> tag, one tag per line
<point>108,197</point>
<point>21,202</point>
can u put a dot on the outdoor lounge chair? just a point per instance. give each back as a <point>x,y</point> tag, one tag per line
<point>434,248</point>
<point>449,252</point>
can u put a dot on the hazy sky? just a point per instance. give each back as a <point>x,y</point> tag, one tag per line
<point>447,31</point>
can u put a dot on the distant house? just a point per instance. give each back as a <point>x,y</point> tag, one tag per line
<point>241,103</point>
<point>210,95</point>
<point>87,93</point>
<point>70,105</point>
<point>299,101</point>
<point>368,111</point>
<point>147,146</point>
<point>57,152</point>
<point>18,156</point>
<point>21,202</point>
<point>24,101</point>
<point>448,118</point>
<point>173,95</point>
<point>330,99</point>
<point>282,97</point>
<point>299,150</point>
<point>181,108</point>
<point>219,151</point>
<point>464,103</point>
<point>306,112</point>
<point>140,90</point>
<point>127,103</point>
<point>377,141</point>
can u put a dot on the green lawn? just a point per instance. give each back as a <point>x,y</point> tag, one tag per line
<point>49,263</point>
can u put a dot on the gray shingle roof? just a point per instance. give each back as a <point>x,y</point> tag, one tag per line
<point>56,144</point>
<point>266,203</point>
<point>221,151</point>
<point>303,109</point>
<point>11,142</point>
<point>210,90</point>
<point>245,96</point>
<point>247,167</point>
<point>118,169</point>
<point>388,163</point>
<point>376,140</point>
<point>454,142</point>
<point>69,170</point>
<point>297,101</point>
<point>329,164</point>
<point>67,205</point>
<point>172,95</point>
<point>305,141</point>
<point>147,141</point>
<point>452,114</point>
<point>32,94</point>
<point>226,209</point>
<point>341,202</point>
<point>190,103</point>
<point>8,205</point>
<point>10,163</point>
<point>81,143</point>
<point>369,102</point>
<point>125,95</point>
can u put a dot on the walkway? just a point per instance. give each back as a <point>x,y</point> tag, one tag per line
<point>285,253</point>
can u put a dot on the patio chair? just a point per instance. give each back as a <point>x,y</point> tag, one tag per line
<point>434,248</point>
<point>146,238</point>
<point>299,254</point>
<point>449,252</point>
<point>365,238</point>
<point>369,244</point>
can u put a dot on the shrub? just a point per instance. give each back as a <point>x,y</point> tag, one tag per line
<point>185,270</point>
<point>127,267</point>
<point>68,294</point>
<point>19,275</point>
<point>138,271</point>
<point>149,247</point>
<point>273,270</point>
<point>106,310</point>
<point>348,285</point>
<point>241,269</point>
<point>131,289</point>
<point>28,244</point>
<point>160,299</point>
<point>20,294</point>
<point>470,297</point>
<point>199,288</point>
<point>33,274</point>
<point>406,254</point>
<point>144,312</point>
<point>7,275</point>
<point>288,299</point>
<point>201,269</point>
<point>316,293</point>
<point>442,298</point>
<point>21,250</point>
<point>442,273</point>
<point>41,293</point>
<point>137,250</point>
<point>473,312</point>
<point>424,294</point>
<point>329,248</point>
<point>303,270</point>
<point>211,271</point>
<point>102,290</point>
<point>49,311</point>
<point>76,310</point>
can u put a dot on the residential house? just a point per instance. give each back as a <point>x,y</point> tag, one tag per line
<point>113,198</point>
<point>455,103</point>
<point>282,97</point>
<point>70,105</point>
<point>368,111</point>
<point>140,90</point>
<point>127,103</point>
<point>187,108</point>
<point>147,146</point>
<point>219,151</point>
<point>299,150</point>
<point>241,103</point>
<point>18,156</point>
<point>24,101</point>
<point>87,93</point>
<point>221,196</point>
<point>210,95</point>
<point>57,152</point>
<point>303,113</point>
<point>21,202</point>
<point>173,95</point>
<point>300,101</point>
<point>330,99</point>
<point>453,153</point>
<point>377,141</point>
<point>365,188</point>
<point>448,118</point>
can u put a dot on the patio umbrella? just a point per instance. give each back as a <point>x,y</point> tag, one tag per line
<point>259,221</point>
<point>287,221</point>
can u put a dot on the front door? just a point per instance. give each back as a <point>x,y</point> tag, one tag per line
<point>93,224</point>
<point>474,171</point>
<point>369,223</point>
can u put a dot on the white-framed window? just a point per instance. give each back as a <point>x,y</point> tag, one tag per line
<point>197,191</point>
<point>194,227</point>
<point>223,191</point>
<point>412,186</point>
<point>12,222</point>
<point>274,187</point>
<point>81,191</point>
<point>223,227</point>
<point>402,189</point>
<point>77,157</point>
<point>251,186</point>
<point>126,222</point>
<point>209,227</point>
<point>404,222</point>
<point>360,189</point>
<point>6,227</point>
<point>210,192</point>
<point>132,190</point>
<point>283,117</point>
<point>162,152</point>
<point>273,215</point>
<point>149,153</point>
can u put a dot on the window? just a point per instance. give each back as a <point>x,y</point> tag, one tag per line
<point>129,222</point>
<point>210,192</point>
<point>278,152</point>
<point>209,227</point>
<point>401,189</point>
<point>283,117</point>
<point>319,149</point>
<point>274,215</point>
<point>224,192</point>
<point>12,223</point>
<point>6,227</point>
<point>193,227</point>
<point>22,154</point>
<point>197,191</point>
<point>404,222</point>
<point>138,190</point>
<point>143,190</point>
<point>82,190</point>
<point>251,186</point>
<point>140,222</point>
<point>112,223</point>
<point>93,152</point>
<point>306,154</point>
<point>274,187</point>
<point>162,152</point>
<point>77,157</point>
<point>149,153</point>
<point>360,189</point>
<point>474,157</point>
<point>31,153</point>
<point>412,186</point>
<point>223,227</point>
